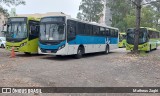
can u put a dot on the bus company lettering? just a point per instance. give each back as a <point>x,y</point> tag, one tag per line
<point>34,91</point>
<point>14,90</point>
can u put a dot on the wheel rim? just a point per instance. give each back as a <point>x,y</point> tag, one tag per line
<point>79,52</point>
<point>107,50</point>
<point>2,46</point>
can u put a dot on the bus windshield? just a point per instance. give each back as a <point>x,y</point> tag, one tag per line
<point>17,30</point>
<point>142,36</point>
<point>52,31</point>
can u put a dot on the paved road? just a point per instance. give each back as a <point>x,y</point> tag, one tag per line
<point>117,69</point>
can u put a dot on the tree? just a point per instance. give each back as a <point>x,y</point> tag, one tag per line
<point>4,11</point>
<point>148,17</point>
<point>138,19</point>
<point>119,9</point>
<point>138,4</point>
<point>13,12</point>
<point>132,13</point>
<point>129,19</point>
<point>156,5</point>
<point>91,10</point>
<point>9,3</point>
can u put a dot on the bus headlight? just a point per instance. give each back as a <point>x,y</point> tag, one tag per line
<point>23,44</point>
<point>61,47</point>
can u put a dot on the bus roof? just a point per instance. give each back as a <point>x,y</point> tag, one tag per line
<point>148,28</point>
<point>93,23</point>
<point>84,22</point>
<point>151,29</point>
<point>28,18</point>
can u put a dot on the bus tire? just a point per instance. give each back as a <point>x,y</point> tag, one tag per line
<point>27,53</point>
<point>58,56</point>
<point>79,53</point>
<point>156,46</point>
<point>107,49</point>
<point>2,46</point>
<point>149,49</point>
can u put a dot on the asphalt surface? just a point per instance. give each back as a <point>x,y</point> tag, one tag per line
<point>117,69</point>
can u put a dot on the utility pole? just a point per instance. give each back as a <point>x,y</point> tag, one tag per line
<point>138,19</point>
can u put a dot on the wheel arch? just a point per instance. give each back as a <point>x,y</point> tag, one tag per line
<point>82,46</point>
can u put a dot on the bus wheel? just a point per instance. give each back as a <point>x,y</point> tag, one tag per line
<point>79,53</point>
<point>58,56</point>
<point>27,53</point>
<point>156,46</point>
<point>149,49</point>
<point>2,46</point>
<point>107,49</point>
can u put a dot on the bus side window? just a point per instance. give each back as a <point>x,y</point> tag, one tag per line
<point>116,33</point>
<point>102,31</point>
<point>91,29</point>
<point>34,29</point>
<point>80,28</point>
<point>107,32</point>
<point>88,29</point>
<point>111,32</point>
<point>96,30</point>
<point>71,29</point>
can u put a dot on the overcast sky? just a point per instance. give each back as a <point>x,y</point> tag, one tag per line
<point>69,7</point>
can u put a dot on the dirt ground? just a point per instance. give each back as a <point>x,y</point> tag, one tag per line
<point>117,69</point>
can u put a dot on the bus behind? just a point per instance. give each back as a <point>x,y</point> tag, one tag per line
<point>148,39</point>
<point>22,34</point>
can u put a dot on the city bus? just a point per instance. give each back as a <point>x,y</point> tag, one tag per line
<point>22,34</point>
<point>60,35</point>
<point>122,40</point>
<point>148,39</point>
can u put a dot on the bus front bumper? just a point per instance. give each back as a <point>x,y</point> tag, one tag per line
<point>142,47</point>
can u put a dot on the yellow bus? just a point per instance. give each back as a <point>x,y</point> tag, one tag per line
<point>148,39</point>
<point>122,40</point>
<point>22,34</point>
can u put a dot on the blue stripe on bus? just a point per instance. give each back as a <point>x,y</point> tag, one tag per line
<point>113,40</point>
<point>51,46</point>
<point>92,40</point>
<point>88,40</point>
<point>82,40</point>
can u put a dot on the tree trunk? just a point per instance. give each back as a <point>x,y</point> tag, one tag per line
<point>138,19</point>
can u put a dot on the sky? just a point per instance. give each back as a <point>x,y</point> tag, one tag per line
<point>69,7</point>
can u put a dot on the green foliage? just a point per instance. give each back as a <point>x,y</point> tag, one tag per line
<point>130,20</point>
<point>4,11</point>
<point>156,5</point>
<point>123,14</point>
<point>91,10</point>
<point>147,17</point>
<point>119,9</point>
<point>9,3</point>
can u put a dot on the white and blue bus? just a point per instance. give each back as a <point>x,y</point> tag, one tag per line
<point>60,35</point>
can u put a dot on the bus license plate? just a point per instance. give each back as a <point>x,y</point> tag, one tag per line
<point>48,51</point>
